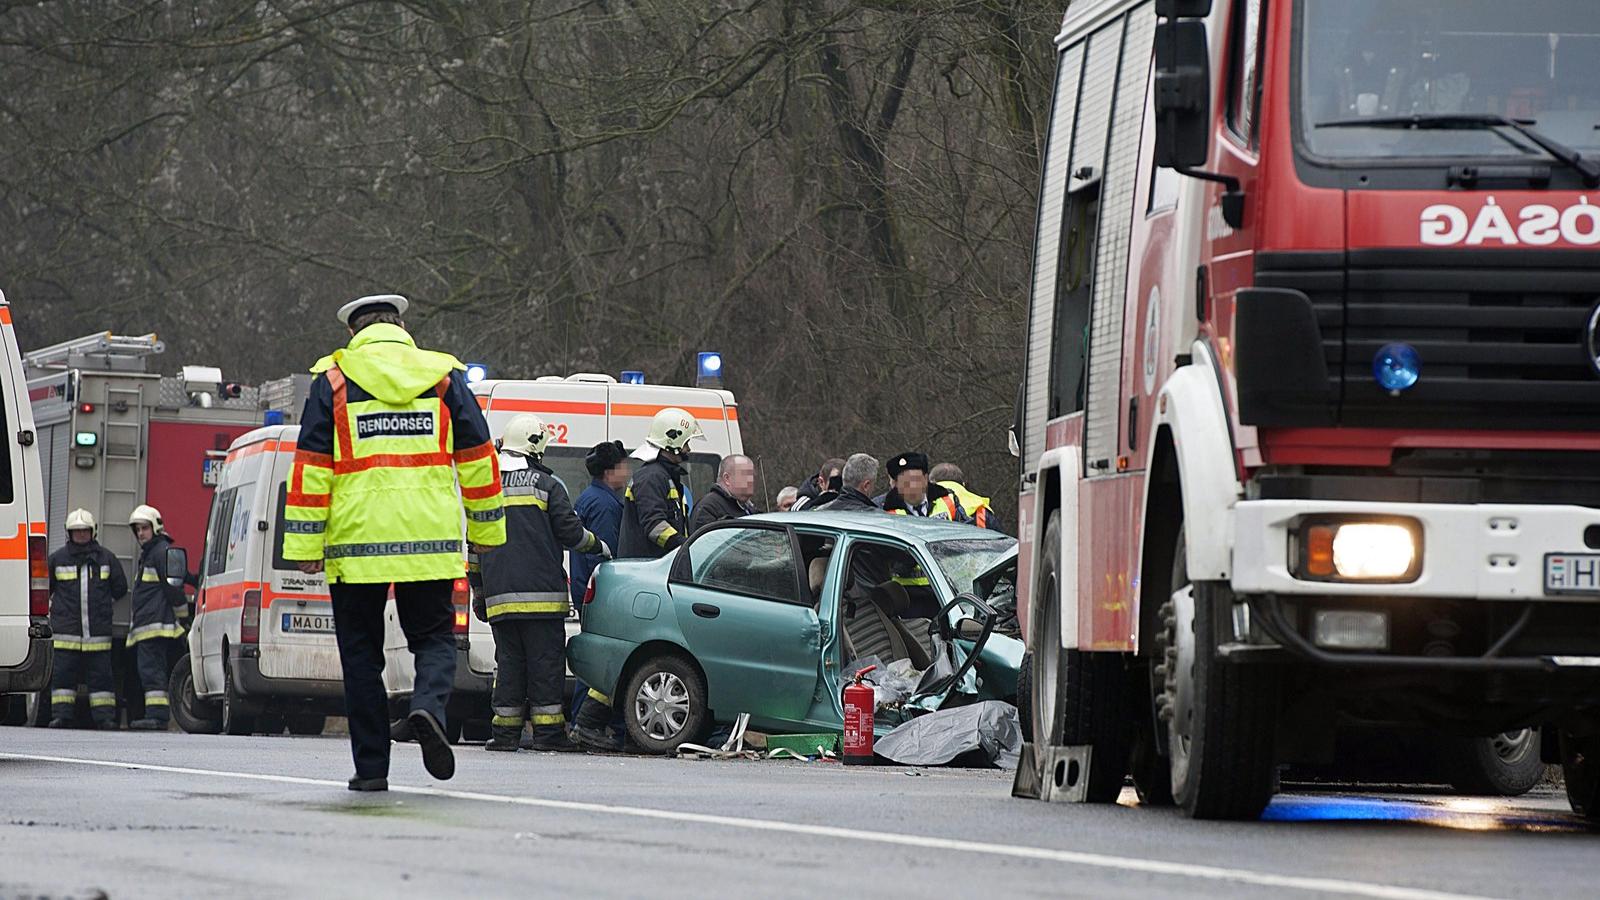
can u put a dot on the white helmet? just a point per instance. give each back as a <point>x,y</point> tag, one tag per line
<point>525,434</point>
<point>80,519</point>
<point>672,429</point>
<point>149,515</point>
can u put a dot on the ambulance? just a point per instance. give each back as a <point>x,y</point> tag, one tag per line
<point>24,543</point>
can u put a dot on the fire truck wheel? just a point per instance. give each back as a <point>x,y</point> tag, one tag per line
<point>665,704</point>
<point>192,714</point>
<point>1078,698</point>
<point>236,720</point>
<point>1221,719</point>
<point>1580,767</point>
<point>1505,765</point>
<point>306,723</point>
<point>1025,695</point>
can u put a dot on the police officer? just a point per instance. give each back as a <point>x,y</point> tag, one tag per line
<point>387,434</point>
<point>655,517</point>
<point>85,583</point>
<point>913,495</point>
<point>524,591</point>
<point>155,620</point>
<point>961,499</point>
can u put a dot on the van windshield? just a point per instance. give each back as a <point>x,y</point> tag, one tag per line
<point>1534,61</point>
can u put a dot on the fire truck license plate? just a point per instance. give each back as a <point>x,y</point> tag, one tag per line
<point>306,623</point>
<point>1572,573</point>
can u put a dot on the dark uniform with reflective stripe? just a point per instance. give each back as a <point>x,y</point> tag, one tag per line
<point>155,623</point>
<point>85,582</point>
<point>524,597</point>
<point>655,519</point>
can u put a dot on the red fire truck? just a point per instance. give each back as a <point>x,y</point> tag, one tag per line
<point>1310,426</point>
<point>112,435</point>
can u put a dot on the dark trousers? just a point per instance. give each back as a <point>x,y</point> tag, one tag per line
<point>427,615</point>
<point>153,677</point>
<point>90,667</point>
<point>530,661</point>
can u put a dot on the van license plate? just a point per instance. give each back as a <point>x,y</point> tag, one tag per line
<point>1572,573</point>
<point>306,623</point>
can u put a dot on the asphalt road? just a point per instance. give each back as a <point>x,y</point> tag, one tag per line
<point>174,815</point>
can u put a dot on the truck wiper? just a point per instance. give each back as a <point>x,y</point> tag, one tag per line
<point>1588,168</point>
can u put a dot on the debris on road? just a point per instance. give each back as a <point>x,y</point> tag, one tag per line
<point>982,735</point>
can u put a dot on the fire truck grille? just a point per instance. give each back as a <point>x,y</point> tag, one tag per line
<point>1502,334</point>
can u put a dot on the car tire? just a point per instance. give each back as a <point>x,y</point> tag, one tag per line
<point>192,714</point>
<point>306,724</point>
<point>1025,695</point>
<point>1221,719</point>
<point>665,704</point>
<point>1087,705</point>
<point>1505,765</point>
<point>1580,768</point>
<point>236,719</point>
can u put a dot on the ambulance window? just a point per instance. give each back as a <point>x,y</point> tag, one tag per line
<point>7,487</point>
<point>567,464</point>
<point>278,562</point>
<point>1244,87</point>
<point>217,536</point>
<point>702,468</point>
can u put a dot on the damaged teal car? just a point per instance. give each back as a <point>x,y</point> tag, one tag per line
<point>768,615</point>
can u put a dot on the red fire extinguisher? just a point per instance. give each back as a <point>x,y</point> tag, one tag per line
<point>859,701</point>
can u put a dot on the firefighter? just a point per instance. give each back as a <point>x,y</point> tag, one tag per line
<point>392,449</point>
<point>155,620</point>
<point>961,499</point>
<point>655,518</point>
<point>524,591</point>
<point>913,495</point>
<point>86,581</point>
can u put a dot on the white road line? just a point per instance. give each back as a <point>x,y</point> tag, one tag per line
<point>1069,857</point>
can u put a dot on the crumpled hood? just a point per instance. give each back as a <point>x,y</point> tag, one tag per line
<point>387,363</point>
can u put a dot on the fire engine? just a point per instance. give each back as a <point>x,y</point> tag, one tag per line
<point>111,435</point>
<point>1310,421</point>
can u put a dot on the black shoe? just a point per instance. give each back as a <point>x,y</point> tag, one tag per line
<point>592,739</point>
<point>501,744</point>
<point>437,757</point>
<point>106,726</point>
<point>554,743</point>
<point>144,725</point>
<point>400,731</point>
<point>369,784</point>
<point>60,723</point>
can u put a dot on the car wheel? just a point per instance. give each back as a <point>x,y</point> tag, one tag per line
<point>236,719</point>
<point>665,704</point>
<point>1221,719</point>
<point>1580,768</point>
<point>308,724</point>
<point>1504,765</point>
<point>192,714</point>
<point>1025,695</point>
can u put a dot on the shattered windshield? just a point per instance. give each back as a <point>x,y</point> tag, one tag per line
<point>1533,61</point>
<point>965,559</point>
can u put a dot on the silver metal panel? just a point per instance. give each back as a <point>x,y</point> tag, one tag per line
<point>55,455</point>
<point>1047,252</point>
<point>1104,395</point>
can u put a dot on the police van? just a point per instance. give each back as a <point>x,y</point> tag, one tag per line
<point>24,544</point>
<point>262,652</point>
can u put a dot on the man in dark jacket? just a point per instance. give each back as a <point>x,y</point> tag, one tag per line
<point>859,474</point>
<point>85,583</point>
<point>655,517</point>
<point>599,507</point>
<point>524,592</point>
<point>814,492</point>
<point>730,497</point>
<point>155,618</point>
<point>913,495</point>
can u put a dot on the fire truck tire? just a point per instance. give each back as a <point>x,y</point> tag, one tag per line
<point>192,714</point>
<point>308,724</point>
<point>1088,703</point>
<point>1506,765</point>
<point>236,720</point>
<point>1025,695</point>
<point>1221,719</point>
<point>1580,768</point>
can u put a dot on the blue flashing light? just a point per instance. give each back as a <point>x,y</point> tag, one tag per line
<point>272,417</point>
<point>1396,367</point>
<point>711,365</point>
<point>476,372</point>
<point>632,376</point>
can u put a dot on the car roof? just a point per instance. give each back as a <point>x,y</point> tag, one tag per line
<point>882,524</point>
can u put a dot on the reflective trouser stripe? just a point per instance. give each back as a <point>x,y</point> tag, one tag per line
<point>102,698</point>
<point>155,630</point>
<point>155,698</point>
<point>84,644</point>
<point>596,695</point>
<point>548,715</point>
<point>557,602</point>
<point>64,695</point>
<point>506,721</point>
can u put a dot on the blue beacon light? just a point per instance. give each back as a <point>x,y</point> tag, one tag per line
<point>1396,367</point>
<point>632,376</point>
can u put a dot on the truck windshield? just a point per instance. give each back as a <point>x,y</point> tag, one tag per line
<point>1533,62</point>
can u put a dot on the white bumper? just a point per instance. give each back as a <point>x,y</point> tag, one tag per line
<point>1469,551</point>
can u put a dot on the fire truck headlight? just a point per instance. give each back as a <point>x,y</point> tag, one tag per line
<point>1345,550</point>
<point>1396,367</point>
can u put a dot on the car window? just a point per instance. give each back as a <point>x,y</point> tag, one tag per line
<point>965,559</point>
<point>758,562</point>
<point>217,534</point>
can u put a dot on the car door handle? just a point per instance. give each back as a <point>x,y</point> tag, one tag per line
<point>706,610</point>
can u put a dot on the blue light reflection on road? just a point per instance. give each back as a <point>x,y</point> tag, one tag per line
<point>1461,813</point>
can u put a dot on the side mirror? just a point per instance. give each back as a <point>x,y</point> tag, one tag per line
<point>969,629</point>
<point>1183,94</point>
<point>177,561</point>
